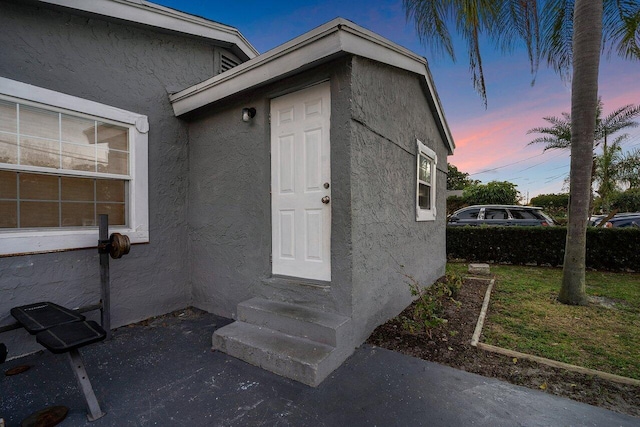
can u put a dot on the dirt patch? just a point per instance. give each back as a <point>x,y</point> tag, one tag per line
<point>449,344</point>
<point>603,302</point>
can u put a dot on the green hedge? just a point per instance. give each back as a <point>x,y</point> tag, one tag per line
<point>607,249</point>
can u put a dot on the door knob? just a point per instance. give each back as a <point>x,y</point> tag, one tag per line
<point>326,200</point>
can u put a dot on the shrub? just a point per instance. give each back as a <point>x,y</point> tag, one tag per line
<point>551,201</point>
<point>607,249</point>
<point>553,204</point>
<point>429,305</point>
<point>493,193</point>
<point>627,201</point>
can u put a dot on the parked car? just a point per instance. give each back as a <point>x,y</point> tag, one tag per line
<point>500,215</point>
<point>624,220</point>
<point>595,219</point>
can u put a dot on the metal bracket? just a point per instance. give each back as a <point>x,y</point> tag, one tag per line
<point>104,246</point>
<point>77,366</point>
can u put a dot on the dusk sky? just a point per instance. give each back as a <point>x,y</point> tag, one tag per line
<point>491,144</point>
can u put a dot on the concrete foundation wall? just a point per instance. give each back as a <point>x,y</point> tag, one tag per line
<point>389,111</point>
<point>132,69</point>
<point>230,201</point>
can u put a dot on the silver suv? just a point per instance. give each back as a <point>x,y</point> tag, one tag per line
<point>502,215</point>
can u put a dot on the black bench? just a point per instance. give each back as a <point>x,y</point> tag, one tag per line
<point>61,330</point>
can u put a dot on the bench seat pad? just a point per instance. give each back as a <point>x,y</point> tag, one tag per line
<point>66,337</point>
<point>44,315</point>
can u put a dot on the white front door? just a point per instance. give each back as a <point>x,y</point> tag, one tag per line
<point>300,184</point>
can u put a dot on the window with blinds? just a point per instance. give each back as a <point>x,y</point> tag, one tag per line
<point>60,169</point>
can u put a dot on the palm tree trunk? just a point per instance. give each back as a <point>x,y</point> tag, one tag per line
<point>587,36</point>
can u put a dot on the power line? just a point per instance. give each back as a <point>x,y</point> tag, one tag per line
<point>504,166</point>
<point>520,161</point>
<point>560,167</point>
<point>544,161</point>
<point>553,178</point>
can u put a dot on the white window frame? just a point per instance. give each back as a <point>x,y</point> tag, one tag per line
<point>22,241</point>
<point>426,214</point>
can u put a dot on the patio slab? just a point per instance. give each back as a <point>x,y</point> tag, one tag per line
<point>163,372</point>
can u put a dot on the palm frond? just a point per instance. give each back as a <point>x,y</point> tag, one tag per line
<point>519,20</point>
<point>475,18</point>
<point>619,119</point>
<point>430,19</point>
<point>557,136</point>
<point>557,35</point>
<point>621,28</point>
<point>545,27</point>
<point>619,140</point>
<point>475,63</point>
<point>472,18</point>
<point>551,143</point>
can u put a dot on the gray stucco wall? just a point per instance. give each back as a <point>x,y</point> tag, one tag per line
<point>389,111</point>
<point>230,202</point>
<point>129,68</point>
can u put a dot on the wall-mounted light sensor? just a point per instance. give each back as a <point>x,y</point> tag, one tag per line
<point>248,114</point>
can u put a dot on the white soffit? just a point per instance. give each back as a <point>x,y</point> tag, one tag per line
<point>336,37</point>
<point>147,13</point>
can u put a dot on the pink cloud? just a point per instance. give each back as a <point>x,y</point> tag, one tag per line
<point>499,136</point>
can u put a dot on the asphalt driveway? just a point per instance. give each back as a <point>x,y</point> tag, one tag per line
<point>164,373</point>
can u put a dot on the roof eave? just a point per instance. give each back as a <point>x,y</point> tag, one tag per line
<point>318,45</point>
<point>150,14</point>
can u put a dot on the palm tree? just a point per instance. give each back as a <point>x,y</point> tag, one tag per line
<point>607,170</point>
<point>558,135</point>
<point>630,168</point>
<point>570,35</point>
<point>608,166</point>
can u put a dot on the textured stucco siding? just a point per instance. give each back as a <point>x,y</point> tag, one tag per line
<point>230,201</point>
<point>229,206</point>
<point>129,68</point>
<point>389,111</point>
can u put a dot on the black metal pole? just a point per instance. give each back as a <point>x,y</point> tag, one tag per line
<point>105,293</point>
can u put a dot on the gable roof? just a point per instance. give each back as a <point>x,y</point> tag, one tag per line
<point>146,13</point>
<point>321,44</point>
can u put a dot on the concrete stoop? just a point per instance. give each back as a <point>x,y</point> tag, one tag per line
<point>288,339</point>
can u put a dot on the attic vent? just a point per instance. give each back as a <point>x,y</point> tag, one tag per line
<point>227,63</point>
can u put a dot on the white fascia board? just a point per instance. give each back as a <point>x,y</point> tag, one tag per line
<point>338,36</point>
<point>227,84</point>
<point>147,13</point>
<point>269,65</point>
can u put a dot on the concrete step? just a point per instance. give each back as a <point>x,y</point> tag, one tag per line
<point>293,357</point>
<point>293,319</point>
<point>304,292</point>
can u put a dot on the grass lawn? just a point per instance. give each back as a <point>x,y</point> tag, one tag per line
<point>524,315</point>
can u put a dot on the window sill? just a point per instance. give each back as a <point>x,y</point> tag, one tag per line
<point>423,215</point>
<point>22,242</point>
